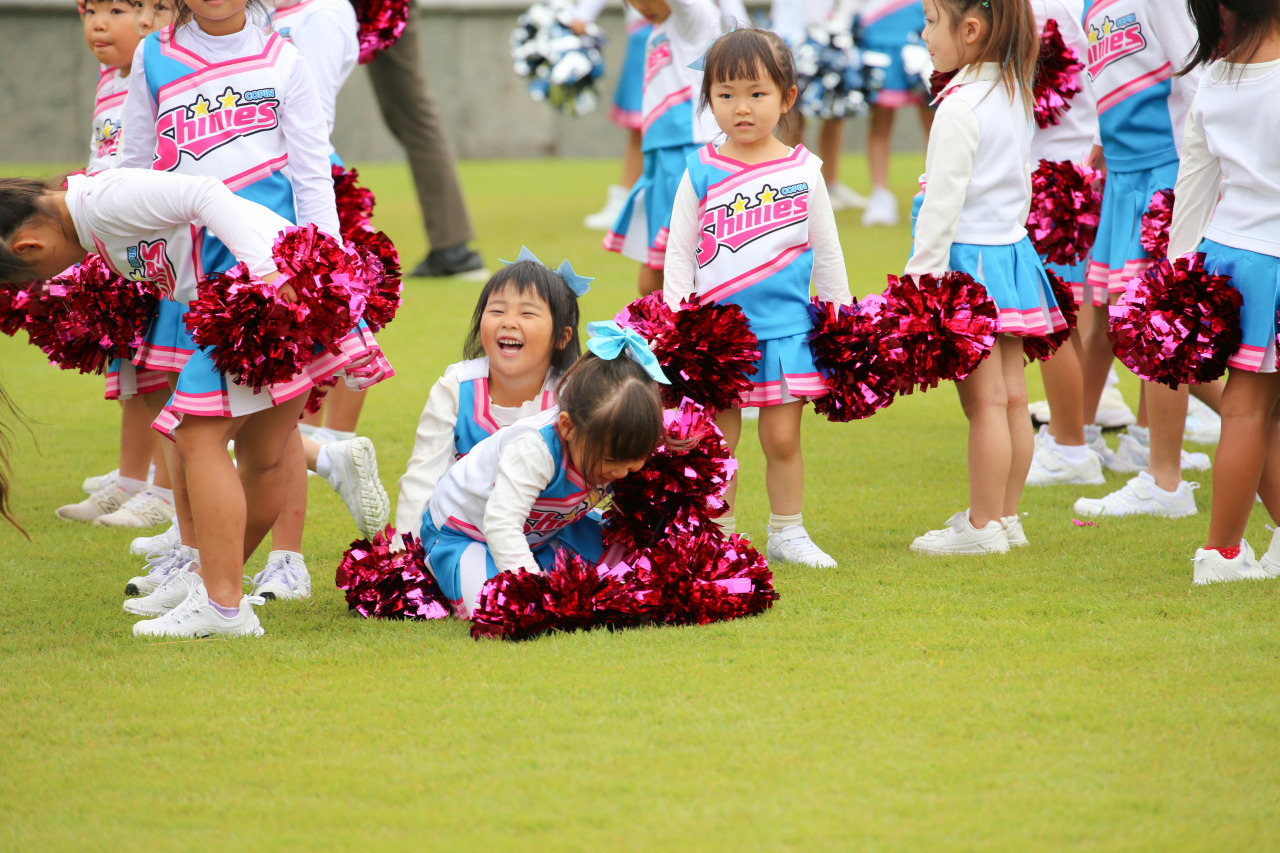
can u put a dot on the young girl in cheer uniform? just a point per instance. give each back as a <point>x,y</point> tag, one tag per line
<point>528,490</point>
<point>124,215</point>
<point>524,336</point>
<point>1228,206</point>
<point>752,226</point>
<point>972,220</point>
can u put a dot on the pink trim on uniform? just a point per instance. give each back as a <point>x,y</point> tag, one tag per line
<point>661,238</point>
<point>742,172</point>
<point>672,100</point>
<point>739,283</point>
<point>885,11</point>
<point>1137,84</point>
<point>896,98</point>
<point>480,411</point>
<point>109,101</point>
<point>147,382</point>
<point>613,241</point>
<point>1117,279</point>
<point>657,259</point>
<point>1097,8</point>
<point>463,527</point>
<point>165,359</point>
<point>1247,358</point>
<point>1029,321</point>
<point>626,119</point>
<point>1097,296</point>
<point>238,182</point>
<point>213,71</point>
<point>799,385</point>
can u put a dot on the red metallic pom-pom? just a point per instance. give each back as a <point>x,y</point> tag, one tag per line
<point>1057,76</point>
<point>385,584</point>
<point>938,81</point>
<point>13,306</point>
<point>943,328</point>
<point>860,365</point>
<point>1154,235</point>
<point>1042,348</point>
<point>1065,207</point>
<point>688,472</point>
<point>355,202</point>
<point>261,339</point>
<point>707,351</point>
<point>1177,324</point>
<point>382,276</point>
<point>381,24</point>
<point>512,606</point>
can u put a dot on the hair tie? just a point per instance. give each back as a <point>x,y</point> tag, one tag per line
<point>609,340</point>
<point>579,284</point>
<point>700,64</point>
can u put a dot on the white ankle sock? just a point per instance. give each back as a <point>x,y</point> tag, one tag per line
<point>727,524</point>
<point>165,495</point>
<point>323,466</point>
<point>1074,453</point>
<point>777,522</point>
<point>130,485</point>
<point>224,612</point>
<point>339,435</point>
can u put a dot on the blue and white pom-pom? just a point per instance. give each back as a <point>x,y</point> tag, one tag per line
<point>917,66</point>
<point>836,79</point>
<point>561,66</point>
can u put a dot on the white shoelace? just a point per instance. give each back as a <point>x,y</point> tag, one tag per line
<point>162,565</point>
<point>282,571</point>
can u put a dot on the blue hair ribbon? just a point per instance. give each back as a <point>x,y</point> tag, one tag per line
<point>609,340</point>
<point>579,284</point>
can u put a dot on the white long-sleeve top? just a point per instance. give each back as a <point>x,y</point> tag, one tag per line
<point>1073,136</point>
<point>977,170</point>
<point>1229,149</point>
<point>671,87</point>
<point>300,116</point>
<point>326,33</point>
<point>108,121</point>
<point>434,447</point>
<point>141,223</point>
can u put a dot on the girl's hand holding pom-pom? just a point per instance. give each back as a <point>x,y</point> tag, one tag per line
<point>1177,324</point>
<point>384,584</point>
<point>859,364</point>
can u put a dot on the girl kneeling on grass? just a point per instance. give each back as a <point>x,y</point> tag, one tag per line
<point>524,336</point>
<point>127,214</point>
<point>529,489</point>
<point>1228,207</point>
<point>752,226</point>
<point>977,193</point>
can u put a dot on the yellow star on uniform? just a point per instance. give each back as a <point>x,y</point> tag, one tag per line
<point>202,107</point>
<point>765,196</point>
<point>740,204</point>
<point>1093,34</point>
<point>1107,27</point>
<point>229,99</point>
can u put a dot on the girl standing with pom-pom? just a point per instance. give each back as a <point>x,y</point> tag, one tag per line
<point>128,215</point>
<point>753,226</point>
<point>978,189</point>
<point>528,490</point>
<point>1228,207</point>
<point>524,336</point>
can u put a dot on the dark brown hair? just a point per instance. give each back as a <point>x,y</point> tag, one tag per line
<point>524,276</point>
<point>1229,29</point>
<point>742,55</point>
<point>22,202</point>
<point>1013,41</point>
<point>615,410</point>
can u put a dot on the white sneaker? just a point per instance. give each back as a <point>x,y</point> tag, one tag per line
<point>158,568</point>
<point>1141,496</point>
<point>283,579</point>
<point>1130,456</point>
<point>1051,467</point>
<point>1098,444</point>
<point>792,544</point>
<point>844,197</point>
<point>171,592</point>
<point>1195,461</point>
<point>603,219</point>
<point>961,537</point>
<point>1040,413</point>
<point>882,208</point>
<point>145,509</point>
<point>1209,566</point>
<point>1113,411</point>
<point>106,500</point>
<point>94,484</point>
<point>161,543</point>
<point>355,478</point>
<point>195,617</point>
<point>1270,561</point>
<point>1013,530</point>
<point>1203,424</point>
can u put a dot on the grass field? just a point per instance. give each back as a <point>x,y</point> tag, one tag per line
<point>1076,694</point>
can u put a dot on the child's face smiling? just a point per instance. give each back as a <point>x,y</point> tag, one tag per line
<point>516,331</point>
<point>110,30</point>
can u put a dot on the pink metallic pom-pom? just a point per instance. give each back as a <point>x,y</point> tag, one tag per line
<point>1177,324</point>
<point>938,81</point>
<point>1043,347</point>
<point>355,202</point>
<point>13,306</point>
<point>385,584</point>
<point>1057,76</point>
<point>943,328</point>
<point>688,472</point>
<point>707,351</point>
<point>512,606</point>
<point>1065,208</point>
<point>1154,235</point>
<point>258,337</point>
<point>382,276</point>
<point>860,365</point>
<point>381,24</point>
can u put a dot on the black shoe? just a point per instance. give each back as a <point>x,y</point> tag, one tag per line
<point>454,260</point>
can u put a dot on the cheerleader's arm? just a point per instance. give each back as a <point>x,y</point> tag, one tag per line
<point>525,468</point>
<point>1196,191</point>
<point>138,148</point>
<point>830,277</point>
<point>329,43</point>
<point>307,143</point>
<point>433,454</point>
<point>948,166</point>
<point>681,262</point>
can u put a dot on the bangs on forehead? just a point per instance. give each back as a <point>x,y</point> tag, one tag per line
<point>750,58</point>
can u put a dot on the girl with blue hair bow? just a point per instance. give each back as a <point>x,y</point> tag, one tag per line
<point>529,489</point>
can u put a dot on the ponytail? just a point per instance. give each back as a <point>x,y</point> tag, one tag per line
<point>1013,42</point>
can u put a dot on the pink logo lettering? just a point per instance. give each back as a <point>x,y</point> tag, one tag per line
<point>657,58</point>
<point>205,125</point>
<point>741,222</point>
<point>1113,41</point>
<point>150,262</point>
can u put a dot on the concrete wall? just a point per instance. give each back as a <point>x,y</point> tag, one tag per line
<point>47,77</point>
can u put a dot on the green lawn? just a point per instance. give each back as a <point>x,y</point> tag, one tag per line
<point>1076,694</point>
